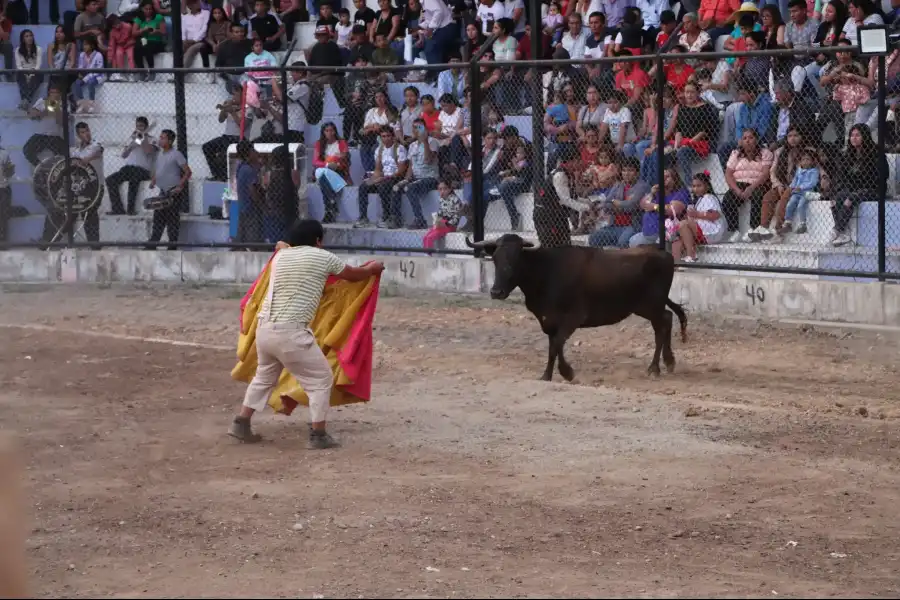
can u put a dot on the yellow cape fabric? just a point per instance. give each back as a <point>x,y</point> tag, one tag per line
<point>341,301</point>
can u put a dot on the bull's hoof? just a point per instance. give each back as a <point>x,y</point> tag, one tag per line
<point>567,372</point>
<point>545,377</point>
<point>653,370</point>
<point>670,367</point>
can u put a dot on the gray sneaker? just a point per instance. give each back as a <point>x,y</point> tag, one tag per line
<point>321,440</point>
<point>361,224</point>
<point>241,430</point>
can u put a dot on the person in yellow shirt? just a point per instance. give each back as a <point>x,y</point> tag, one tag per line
<point>284,339</point>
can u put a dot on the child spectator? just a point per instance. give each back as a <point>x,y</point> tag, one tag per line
<point>806,179</point>
<point>554,19</point>
<point>705,223</point>
<point>343,28</point>
<point>446,220</point>
<point>667,24</point>
<point>617,121</point>
<point>87,83</point>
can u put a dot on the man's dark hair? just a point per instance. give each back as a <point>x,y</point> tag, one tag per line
<point>358,29</point>
<point>601,15</point>
<point>306,232</point>
<point>748,20</point>
<point>668,16</point>
<point>169,133</point>
<point>81,126</point>
<point>244,148</point>
<point>143,120</point>
<point>797,3</point>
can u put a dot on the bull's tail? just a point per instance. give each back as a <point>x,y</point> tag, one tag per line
<point>682,318</point>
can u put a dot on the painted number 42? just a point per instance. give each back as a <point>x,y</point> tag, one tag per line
<point>408,268</point>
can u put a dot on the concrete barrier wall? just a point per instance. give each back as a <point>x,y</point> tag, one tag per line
<point>727,294</point>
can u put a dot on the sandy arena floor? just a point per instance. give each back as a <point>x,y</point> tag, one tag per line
<point>766,466</point>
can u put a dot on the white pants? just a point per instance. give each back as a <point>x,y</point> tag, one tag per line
<point>290,346</point>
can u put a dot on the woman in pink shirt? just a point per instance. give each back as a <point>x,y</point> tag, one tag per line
<point>121,46</point>
<point>747,174</point>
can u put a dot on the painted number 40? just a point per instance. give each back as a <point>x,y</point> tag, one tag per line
<point>408,268</point>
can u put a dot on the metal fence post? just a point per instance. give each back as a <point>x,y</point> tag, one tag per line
<point>285,135</point>
<point>69,222</point>
<point>882,172</point>
<point>477,152</point>
<point>661,149</point>
<point>181,134</point>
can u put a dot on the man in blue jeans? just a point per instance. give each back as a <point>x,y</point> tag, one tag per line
<point>422,175</point>
<point>441,31</point>
<point>622,205</point>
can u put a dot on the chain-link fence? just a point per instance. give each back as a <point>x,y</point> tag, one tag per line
<point>768,160</point>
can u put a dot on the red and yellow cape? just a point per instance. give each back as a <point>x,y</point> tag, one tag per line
<point>343,329</point>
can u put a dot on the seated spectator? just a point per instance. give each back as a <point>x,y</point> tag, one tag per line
<point>359,90</point>
<point>452,81</point>
<point>194,25</point>
<point>216,149</point>
<point>746,26</point>
<point>631,80</point>
<point>472,42</point>
<point>6,47</point>
<point>574,41</point>
<point>448,216</point>
<point>523,50</point>
<point>754,111</point>
<point>791,69</point>
<point>291,12</point>
<point>85,86</point>
<point>747,174</point>
<point>559,125</point>
<point>622,203</point>
<point>28,58</point>
<point>801,30</point>
<point>515,179</point>
<point>705,223</point>
<point>784,165</point>
<point>673,196</point>
<point>149,31</point>
<point>754,70</point>
<point>554,19</point>
<point>386,56</point>
<point>452,153</point>
<point>409,114</point>
<point>860,167</point>
<point>716,17</point>
<point>430,113</point>
<point>328,19</point>
<point>138,154</point>
<point>388,24</point>
<point>834,15</point>
<point>390,168</point>
<point>343,30</point>
<point>692,35</point>
<point>714,78</point>
<point>773,25</point>
<point>617,123</point>
<point>792,110</point>
<point>667,25</point>
<point>364,16</point>
<point>696,128</point>
<point>331,160</point>
<point>510,89</point>
<point>805,182</point>
<point>645,145</point>
<point>422,175</point>
<point>490,165</point>
<point>61,55</point>
<point>558,77</point>
<point>631,33</point>
<point>359,45</point>
<point>376,117</point>
<point>260,57</point>
<point>598,45</point>
<point>90,23</point>
<point>121,47</point>
<point>678,72</point>
<point>164,8</point>
<point>590,114</point>
<point>862,13</point>
<point>850,86</point>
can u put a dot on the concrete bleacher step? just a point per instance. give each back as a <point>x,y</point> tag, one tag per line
<point>121,228</point>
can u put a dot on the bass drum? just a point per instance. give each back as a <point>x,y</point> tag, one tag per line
<point>43,191</point>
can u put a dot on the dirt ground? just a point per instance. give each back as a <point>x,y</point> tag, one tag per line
<point>765,466</point>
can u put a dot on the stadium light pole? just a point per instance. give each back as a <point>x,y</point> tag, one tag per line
<point>872,40</point>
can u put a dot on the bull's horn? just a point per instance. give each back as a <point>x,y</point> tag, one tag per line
<point>529,246</point>
<point>471,244</point>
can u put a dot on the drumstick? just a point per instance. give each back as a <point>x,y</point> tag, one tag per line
<point>12,524</point>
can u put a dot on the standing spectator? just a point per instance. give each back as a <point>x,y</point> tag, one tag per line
<point>390,168</point>
<point>138,154</point>
<point>249,194</point>
<point>298,102</point>
<point>194,25</point>
<point>89,23</point>
<point>88,82</point>
<point>149,31</point>
<point>121,47</point>
<point>422,175</point>
<point>281,203</point>
<point>747,174</point>
<point>440,30</point>
<point>171,175</point>
<point>489,12</point>
<point>266,27</point>
<point>859,169</point>
<point>448,216</point>
<point>615,13</point>
<point>232,52</point>
<point>28,58</point>
<point>331,160</point>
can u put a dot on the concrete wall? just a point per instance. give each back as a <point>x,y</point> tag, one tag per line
<point>728,294</point>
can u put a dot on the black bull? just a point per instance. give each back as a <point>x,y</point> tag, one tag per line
<point>574,287</point>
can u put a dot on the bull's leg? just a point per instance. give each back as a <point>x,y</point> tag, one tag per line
<point>565,369</point>
<point>668,356</point>
<point>551,358</point>
<point>659,330</point>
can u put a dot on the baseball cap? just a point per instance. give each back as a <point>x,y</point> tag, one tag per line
<point>323,30</point>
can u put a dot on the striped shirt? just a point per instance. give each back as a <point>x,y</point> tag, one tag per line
<point>298,281</point>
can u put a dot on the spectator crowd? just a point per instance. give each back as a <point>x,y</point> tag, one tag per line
<point>786,131</point>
